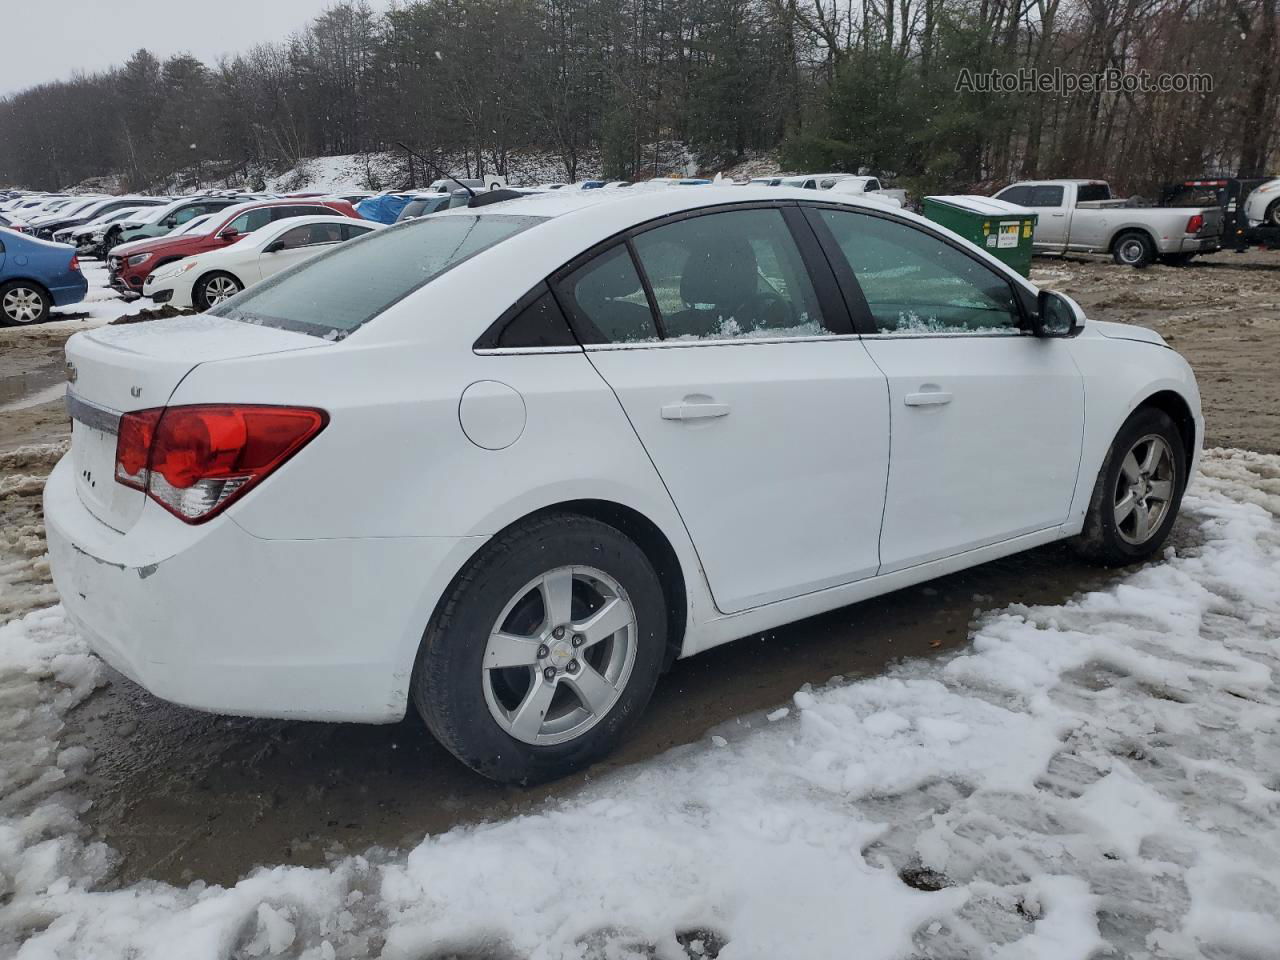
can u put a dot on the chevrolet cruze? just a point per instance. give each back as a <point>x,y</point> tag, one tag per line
<point>507,462</point>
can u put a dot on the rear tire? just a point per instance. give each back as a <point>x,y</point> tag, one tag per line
<point>531,719</point>
<point>1272,216</point>
<point>1133,249</point>
<point>211,289</point>
<point>1138,492</point>
<point>23,303</point>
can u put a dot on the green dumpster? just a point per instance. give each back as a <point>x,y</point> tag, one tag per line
<point>1002,229</point>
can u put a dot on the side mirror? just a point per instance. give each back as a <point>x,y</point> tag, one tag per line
<point>170,222</point>
<point>275,246</point>
<point>229,235</point>
<point>1057,315</point>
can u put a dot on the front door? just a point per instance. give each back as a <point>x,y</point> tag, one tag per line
<point>987,420</point>
<point>299,243</point>
<point>764,415</point>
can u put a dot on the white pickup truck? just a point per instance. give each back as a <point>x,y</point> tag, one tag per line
<point>1081,215</point>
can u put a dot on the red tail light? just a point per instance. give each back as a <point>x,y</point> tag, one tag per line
<point>1195,224</point>
<point>196,461</point>
<point>75,264</point>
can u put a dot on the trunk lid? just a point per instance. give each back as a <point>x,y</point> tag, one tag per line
<point>117,369</point>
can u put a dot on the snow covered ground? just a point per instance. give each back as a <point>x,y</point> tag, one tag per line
<point>100,306</point>
<point>1099,778</point>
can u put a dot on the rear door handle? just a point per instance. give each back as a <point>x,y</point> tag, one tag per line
<point>686,410</point>
<point>930,398</point>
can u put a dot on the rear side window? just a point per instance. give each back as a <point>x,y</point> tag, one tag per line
<point>1088,192</point>
<point>535,321</point>
<point>337,292</point>
<point>608,300</point>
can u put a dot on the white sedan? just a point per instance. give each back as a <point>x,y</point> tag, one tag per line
<point>507,462</point>
<point>207,279</point>
<point>1262,206</point>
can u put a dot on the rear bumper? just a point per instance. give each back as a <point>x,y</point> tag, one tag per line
<point>214,618</point>
<point>70,290</point>
<point>1198,245</point>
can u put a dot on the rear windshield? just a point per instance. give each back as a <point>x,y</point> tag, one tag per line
<point>337,292</point>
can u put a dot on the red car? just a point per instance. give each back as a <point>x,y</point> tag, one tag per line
<point>130,263</point>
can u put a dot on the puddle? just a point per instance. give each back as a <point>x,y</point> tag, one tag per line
<point>31,388</point>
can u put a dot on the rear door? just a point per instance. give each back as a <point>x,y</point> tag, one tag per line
<point>763,413</point>
<point>987,421</point>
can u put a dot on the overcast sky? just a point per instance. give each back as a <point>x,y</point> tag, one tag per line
<point>54,38</point>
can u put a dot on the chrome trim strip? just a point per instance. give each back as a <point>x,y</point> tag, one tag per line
<point>92,415</point>
<point>521,351</point>
<point>674,344</point>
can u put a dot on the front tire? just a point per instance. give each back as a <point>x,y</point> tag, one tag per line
<point>23,303</point>
<point>211,289</point>
<point>544,651</point>
<point>1138,492</point>
<point>1272,216</point>
<point>1133,249</point>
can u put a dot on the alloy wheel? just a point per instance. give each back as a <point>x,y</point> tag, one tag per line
<point>217,289</point>
<point>1144,489</point>
<point>559,655</point>
<point>23,305</point>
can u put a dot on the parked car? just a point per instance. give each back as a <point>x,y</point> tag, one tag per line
<point>363,484</point>
<point>1262,206</point>
<point>419,205</point>
<point>168,218</point>
<point>90,238</point>
<point>814,181</point>
<point>479,184</point>
<point>129,264</point>
<point>871,188</point>
<point>7,221</point>
<point>385,208</point>
<point>35,277</point>
<point>206,280</point>
<point>1081,215</point>
<point>78,218</point>
<point>56,213</point>
<point>765,181</point>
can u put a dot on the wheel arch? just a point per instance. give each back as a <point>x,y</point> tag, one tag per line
<point>646,534</point>
<point>1132,228</point>
<point>31,281</point>
<point>209,273</point>
<point>1179,411</point>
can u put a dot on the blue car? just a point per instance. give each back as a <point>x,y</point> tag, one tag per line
<point>35,277</point>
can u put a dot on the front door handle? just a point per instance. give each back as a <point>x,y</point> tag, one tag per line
<point>930,398</point>
<point>694,410</point>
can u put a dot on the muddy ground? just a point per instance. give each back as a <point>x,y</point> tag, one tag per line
<point>182,795</point>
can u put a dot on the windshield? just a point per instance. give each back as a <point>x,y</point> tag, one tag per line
<point>340,291</point>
